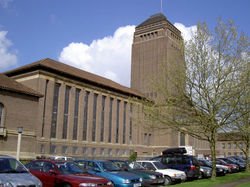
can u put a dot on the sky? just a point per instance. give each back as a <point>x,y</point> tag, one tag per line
<point>96,35</point>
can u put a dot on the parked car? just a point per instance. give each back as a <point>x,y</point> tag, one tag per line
<point>64,174</point>
<point>233,168</point>
<point>111,172</point>
<point>220,169</point>
<point>171,175</point>
<point>205,172</point>
<point>176,158</point>
<point>149,178</point>
<point>14,174</point>
<point>242,166</point>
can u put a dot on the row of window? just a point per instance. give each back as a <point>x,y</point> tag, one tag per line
<point>232,145</point>
<point>93,106</point>
<point>85,151</point>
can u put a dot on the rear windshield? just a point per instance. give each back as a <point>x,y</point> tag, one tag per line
<point>179,159</point>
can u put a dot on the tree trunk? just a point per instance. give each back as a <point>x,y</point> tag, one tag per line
<point>212,144</point>
<point>247,156</point>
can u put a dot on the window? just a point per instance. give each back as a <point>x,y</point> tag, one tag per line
<point>75,126</point>
<point>64,149</point>
<point>1,115</point>
<point>182,139</point>
<point>66,113</point>
<point>44,106</point>
<point>130,124</point>
<point>110,118</point>
<point>223,146</point>
<point>42,149</point>
<point>52,149</point>
<point>75,150</point>
<point>85,151</point>
<point>117,121</point>
<point>124,122</point>
<point>85,116</point>
<point>55,111</point>
<point>229,145</point>
<point>102,119</point>
<point>94,117</point>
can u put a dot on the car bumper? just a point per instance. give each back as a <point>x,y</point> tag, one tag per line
<point>129,185</point>
<point>149,182</point>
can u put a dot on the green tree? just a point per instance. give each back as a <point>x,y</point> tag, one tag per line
<point>214,64</point>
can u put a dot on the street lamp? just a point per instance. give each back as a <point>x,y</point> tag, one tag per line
<point>20,131</point>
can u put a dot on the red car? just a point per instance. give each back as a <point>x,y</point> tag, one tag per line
<point>64,174</point>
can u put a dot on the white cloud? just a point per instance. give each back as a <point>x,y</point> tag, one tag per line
<point>186,31</point>
<point>109,57</point>
<point>7,58</point>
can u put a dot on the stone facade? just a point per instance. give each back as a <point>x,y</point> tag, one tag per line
<point>18,109</point>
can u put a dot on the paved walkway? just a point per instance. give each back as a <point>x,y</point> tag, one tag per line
<point>234,184</point>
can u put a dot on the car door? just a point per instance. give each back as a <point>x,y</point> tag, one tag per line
<point>42,170</point>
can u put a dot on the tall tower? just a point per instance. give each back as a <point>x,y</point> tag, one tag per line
<point>158,67</point>
<point>157,58</point>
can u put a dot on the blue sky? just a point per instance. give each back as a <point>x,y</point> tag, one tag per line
<point>96,35</point>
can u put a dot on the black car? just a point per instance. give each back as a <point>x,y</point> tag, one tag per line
<point>176,158</point>
<point>219,171</point>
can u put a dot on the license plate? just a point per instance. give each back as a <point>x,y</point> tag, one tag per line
<point>137,185</point>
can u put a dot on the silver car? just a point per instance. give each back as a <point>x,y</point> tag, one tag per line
<point>13,174</point>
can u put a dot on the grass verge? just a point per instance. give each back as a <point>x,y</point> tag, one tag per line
<point>219,180</point>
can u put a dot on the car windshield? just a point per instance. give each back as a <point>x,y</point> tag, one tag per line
<point>109,166</point>
<point>159,165</point>
<point>69,168</point>
<point>122,165</point>
<point>11,165</point>
<point>208,163</point>
<point>137,166</point>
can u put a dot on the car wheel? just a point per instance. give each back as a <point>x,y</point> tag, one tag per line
<point>66,185</point>
<point>168,180</point>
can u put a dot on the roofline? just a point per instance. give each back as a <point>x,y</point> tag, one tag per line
<point>38,65</point>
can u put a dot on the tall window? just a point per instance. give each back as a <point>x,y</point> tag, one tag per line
<point>85,116</point>
<point>130,124</point>
<point>55,110</point>
<point>66,113</point>
<point>110,118</point>
<point>1,115</point>
<point>117,121</point>
<point>182,139</point>
<point>75,126</point>
<point>124,122</point>
<point>94,117</point>
<point>102,119</point>
<point>44,105</point>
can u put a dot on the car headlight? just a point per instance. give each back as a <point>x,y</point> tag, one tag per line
<point>202,169</point>
<point>152,176</point>
<point>126,181</point>
<point>109,183</point>
<point>140,179</point>
<point>88,184</point>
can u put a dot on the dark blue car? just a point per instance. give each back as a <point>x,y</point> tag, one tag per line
<point>176,158</point>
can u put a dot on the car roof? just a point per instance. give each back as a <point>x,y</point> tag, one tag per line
<point>6,156</point>
<point>147,161</point>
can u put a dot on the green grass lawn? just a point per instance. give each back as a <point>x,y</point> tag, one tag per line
<point>219,180</point>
